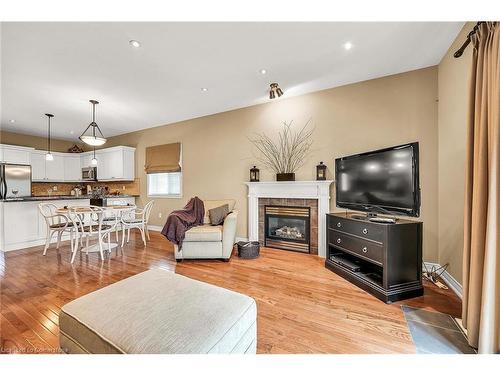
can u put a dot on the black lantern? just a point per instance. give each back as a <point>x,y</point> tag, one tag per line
<point>254,174</point>
<point>320,171</point>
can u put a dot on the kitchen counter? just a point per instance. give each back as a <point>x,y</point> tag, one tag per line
<point>61,197</point>
<point>23,226</point>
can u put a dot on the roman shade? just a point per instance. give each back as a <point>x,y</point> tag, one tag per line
<point>163,158</point>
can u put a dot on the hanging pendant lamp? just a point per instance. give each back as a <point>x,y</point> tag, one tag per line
<point>48,155</point>
<point>93,162</point>
<point>92,134</point>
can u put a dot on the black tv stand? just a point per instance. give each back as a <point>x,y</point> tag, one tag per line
<point>387,256</point>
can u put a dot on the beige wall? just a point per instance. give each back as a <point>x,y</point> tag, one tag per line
<point>359,117</point>
<point>39,143</point>
<point>452,117</point>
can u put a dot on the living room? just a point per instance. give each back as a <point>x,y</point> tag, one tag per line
<point>327,186</point>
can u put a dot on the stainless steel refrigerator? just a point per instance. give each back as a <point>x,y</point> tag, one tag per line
<point>15,181</point>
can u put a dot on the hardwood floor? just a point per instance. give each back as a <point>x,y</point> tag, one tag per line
<point>302,306</point>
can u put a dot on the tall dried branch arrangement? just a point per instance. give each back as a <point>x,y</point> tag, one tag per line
<point>287,154</point>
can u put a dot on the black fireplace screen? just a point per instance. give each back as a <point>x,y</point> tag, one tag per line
<point>287,227</point>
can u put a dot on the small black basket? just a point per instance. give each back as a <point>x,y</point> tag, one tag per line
<point>248,250</point>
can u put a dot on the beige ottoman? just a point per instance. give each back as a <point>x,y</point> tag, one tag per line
<point>159,312</point>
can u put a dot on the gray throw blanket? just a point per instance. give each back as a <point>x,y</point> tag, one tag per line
<point>180,221</point>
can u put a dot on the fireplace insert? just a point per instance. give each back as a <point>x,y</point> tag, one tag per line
<point>287,228</point>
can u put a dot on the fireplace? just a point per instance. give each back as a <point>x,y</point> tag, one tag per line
<point>287,227</point>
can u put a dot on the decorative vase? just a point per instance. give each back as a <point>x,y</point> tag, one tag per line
<point>285,176</point>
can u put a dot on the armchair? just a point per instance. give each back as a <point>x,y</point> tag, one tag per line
<point>210,241</point>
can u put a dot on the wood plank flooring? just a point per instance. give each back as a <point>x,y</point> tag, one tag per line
<point>302,306</point>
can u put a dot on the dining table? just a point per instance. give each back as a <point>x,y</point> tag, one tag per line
<point>117,210</point>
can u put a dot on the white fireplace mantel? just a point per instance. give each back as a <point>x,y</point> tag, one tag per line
<point>319,190</point>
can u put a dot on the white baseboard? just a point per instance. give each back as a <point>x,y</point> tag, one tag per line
<point>452,283</point>
<point>155,228</point>
<point>32,243</point>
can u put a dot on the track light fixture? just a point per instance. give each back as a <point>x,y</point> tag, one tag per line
<point>275,90</point>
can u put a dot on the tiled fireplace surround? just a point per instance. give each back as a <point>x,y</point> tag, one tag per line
<point>312,203</point>
<point>313,194</point>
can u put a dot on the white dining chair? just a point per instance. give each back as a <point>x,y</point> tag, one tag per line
<point>89,224</point>
<point>56,224</point>
<point>137,218</point>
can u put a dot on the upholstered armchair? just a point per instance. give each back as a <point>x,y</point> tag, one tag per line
<point>210,241</point>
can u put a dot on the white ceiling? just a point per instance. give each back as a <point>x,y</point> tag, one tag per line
<point>58,67</point>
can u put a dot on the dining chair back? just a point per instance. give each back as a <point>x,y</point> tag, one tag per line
<point>56,223</point>
<point>137,218</point>
<point>89,223</point>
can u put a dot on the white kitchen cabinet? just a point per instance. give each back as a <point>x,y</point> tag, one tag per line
<point>85,159</point>
<point>22,225</point>
<point>47,170</point>
<point>20,222</point>
<point>38,166</point>
<point>15,154</point>
<point>72,168</point>
<point>113,164</point>
<point>55,168</point>
<point>116,164</point>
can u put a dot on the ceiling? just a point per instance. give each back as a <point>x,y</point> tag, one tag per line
<point>58,67</point>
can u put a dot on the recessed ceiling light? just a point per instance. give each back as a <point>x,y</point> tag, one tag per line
<point>347,46</point>
<point>204,89</point>
<point>134,43</point>
<point>263,71</point>
<point>12,121</point>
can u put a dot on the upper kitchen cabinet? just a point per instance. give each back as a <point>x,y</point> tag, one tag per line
<point>15,154</point>
<point>45,170</point>
<point>116,164</point>
<point>72,167</point>
<point>38,165</point>
<point>86,159</point>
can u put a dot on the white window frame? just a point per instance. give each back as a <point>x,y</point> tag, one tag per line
<point>168,196</point>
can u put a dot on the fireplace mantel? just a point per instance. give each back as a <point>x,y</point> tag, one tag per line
<point>319,190</point>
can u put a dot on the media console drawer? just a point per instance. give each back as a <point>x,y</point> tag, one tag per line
<point>363,229</point>
<point>366,249</point>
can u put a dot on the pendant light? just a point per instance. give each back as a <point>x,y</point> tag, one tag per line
<point>92,134</point>
<point>48,155</point>
<point>93,162</point>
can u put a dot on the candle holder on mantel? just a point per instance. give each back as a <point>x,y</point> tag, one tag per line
<point>254,174</point>
<point>321,172</point>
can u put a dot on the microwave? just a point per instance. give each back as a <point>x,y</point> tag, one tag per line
<point>89,174</point>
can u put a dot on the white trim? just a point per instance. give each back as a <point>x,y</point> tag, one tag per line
<point>452,283</point>
<point>32,243</point>
<point>155,228</point>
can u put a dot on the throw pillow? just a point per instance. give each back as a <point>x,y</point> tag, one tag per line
<point>218,214</point>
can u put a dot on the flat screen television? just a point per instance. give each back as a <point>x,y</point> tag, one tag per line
<point>383,181</point>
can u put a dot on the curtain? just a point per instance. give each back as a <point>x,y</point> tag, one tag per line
<point>163,158</point>
<point>481,271</point>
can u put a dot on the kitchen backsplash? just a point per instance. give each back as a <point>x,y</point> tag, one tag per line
<point>39,189</point>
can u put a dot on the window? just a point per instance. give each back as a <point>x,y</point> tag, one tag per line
<point>168,185</point>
